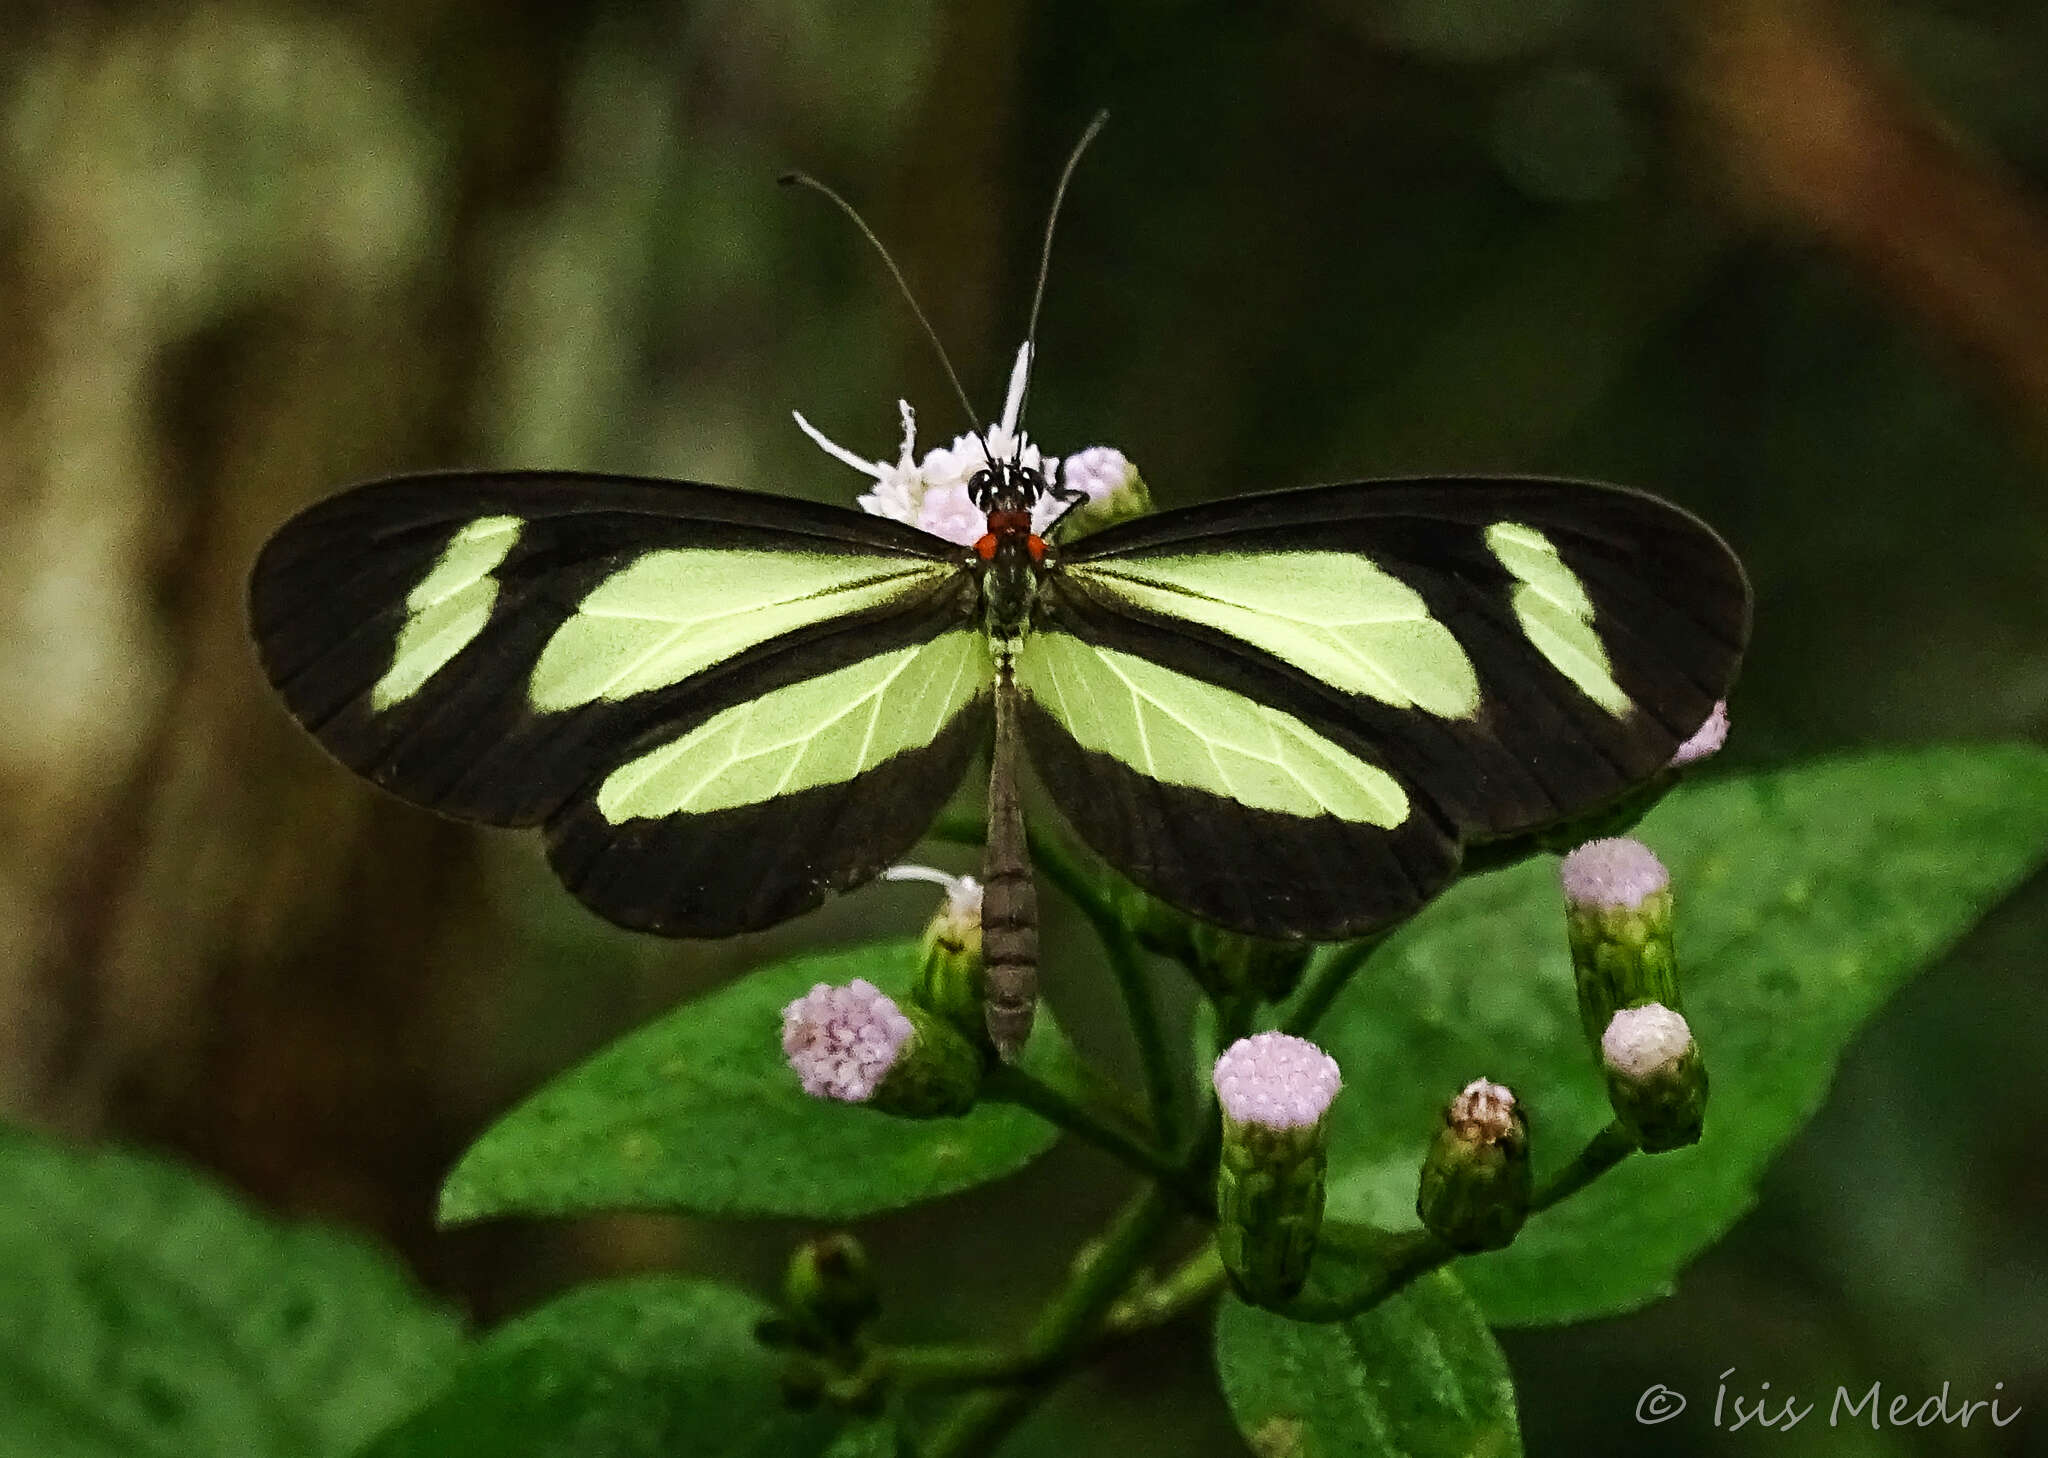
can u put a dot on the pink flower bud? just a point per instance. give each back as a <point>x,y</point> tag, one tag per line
<point>1276,1080</point>
<point>842,1040</point>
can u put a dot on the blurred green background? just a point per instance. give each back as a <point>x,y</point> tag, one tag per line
<point>1785,263</point>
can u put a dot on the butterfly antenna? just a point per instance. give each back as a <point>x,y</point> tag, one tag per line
<point>1052,218</point>
<point>804,179</point>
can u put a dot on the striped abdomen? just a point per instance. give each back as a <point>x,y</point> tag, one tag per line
<point>1009,904</point>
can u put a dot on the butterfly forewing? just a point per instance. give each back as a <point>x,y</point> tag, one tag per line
<point>664,674</point>
<point>1506,653</point>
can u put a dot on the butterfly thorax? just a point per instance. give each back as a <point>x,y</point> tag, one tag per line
<point>1010,556</point>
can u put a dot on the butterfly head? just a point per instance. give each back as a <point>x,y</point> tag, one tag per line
<point>1007,490</point>
<point>1002,487</point>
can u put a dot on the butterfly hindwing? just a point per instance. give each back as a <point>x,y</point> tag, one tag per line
<point>1511,653</point>
<point>758,812</point>
<point>502,647</point>
<point>1239,812</point>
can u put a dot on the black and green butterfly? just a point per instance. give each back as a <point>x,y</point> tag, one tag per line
<point>1287,714</point>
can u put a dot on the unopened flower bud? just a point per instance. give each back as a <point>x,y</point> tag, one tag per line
<point>828,1288</point>
<point>1706,740</point>
<point>1115,490</point>
<point>1656,1079</point>
<point>950,966</point>
<point>1476,1181</point>
<point>1275,1091</point>
<point>1617,899</point>
<point>854,1044</point>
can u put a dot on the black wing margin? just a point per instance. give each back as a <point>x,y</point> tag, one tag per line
<point>1671,607</point>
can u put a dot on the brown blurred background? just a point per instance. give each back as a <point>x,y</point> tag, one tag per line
<point>1784,262</point>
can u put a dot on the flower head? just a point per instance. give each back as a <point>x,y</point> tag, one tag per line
<point>1618,911</point>
<point>1274,1090</point>
<point>1475,1187</point>
<point>1618,872</point>
<point>1706,740</point>
<point>1277,1081</point>
<point>1656,1079</point>
<point>931,493</point>
<point>842,1041</point>
<point>951,984</point>
<point>1484,1111</point>
<point>1643,1041</point>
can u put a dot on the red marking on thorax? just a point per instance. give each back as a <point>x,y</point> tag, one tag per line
<point>1008,526</point>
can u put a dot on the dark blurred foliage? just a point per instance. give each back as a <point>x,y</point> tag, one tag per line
<point>1783,262</point>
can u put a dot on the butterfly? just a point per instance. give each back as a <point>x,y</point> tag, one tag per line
<point>1288,714</point>
<point>1285,713</point>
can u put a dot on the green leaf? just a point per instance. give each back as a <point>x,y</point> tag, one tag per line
<point>869,1438</point>
<point>1417,1376</point>
<point>651,1367</point>
<point>700,1114</point>
<point>1805,897</point>
<point>144,1312</point>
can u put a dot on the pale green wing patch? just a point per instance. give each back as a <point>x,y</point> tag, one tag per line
<point>448,608</point>
<point>1181,731</point>
<point>673,613</point>
<point>1555,613</point>
<point>1336,616</point>
<point>818,731</point>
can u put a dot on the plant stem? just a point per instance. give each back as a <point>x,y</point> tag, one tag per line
<point>1602,1152</point>
<point>1127,965</point>
<point>960,827</point>
<point>1100,1127</point>
<point>939,1366</point>
<point>1325,980</point>
<point>1396,1259</point>
<point>1068,1324</point>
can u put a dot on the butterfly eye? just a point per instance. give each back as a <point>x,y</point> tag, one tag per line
<point>981,489</point>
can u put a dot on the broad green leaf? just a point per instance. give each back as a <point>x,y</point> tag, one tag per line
<point>1806,896</point>
<point>1418,1376</point>
<point>869,1438</point>
<point>652,1367</point>
<point>144,1312</point>
<point>699,1113</point>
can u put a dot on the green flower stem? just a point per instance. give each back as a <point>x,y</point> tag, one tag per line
<point>1190,1286</point>
<point>1163,1085</point>
<point>1386,1261</point>
<point>1068,1326</point>
<point>960,827</point>
<point>940,1367</point>
<point>1101,1127</point>
<point>1327,977</point>
<point>1602,1152</point>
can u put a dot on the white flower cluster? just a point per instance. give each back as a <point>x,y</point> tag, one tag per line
<point>931,493</point>
<point>1276,1080</point>
<point>1642,1041</point>
<point>1617,872</point>
<point>842,1040</point>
